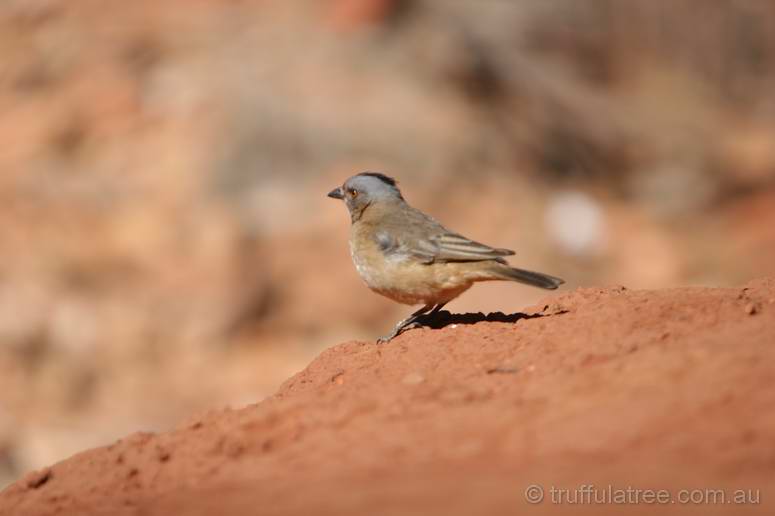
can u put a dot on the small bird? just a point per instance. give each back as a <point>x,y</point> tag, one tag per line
<point>405,255</point>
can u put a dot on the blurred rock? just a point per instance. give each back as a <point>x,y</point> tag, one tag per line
<point>577,224</point>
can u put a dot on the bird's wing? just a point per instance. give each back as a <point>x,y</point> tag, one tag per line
<point>422,238</point>
<point>453,247</point>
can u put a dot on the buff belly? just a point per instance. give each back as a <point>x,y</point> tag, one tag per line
<point>410,282</point>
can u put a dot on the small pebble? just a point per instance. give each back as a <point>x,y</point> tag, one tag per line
<point>39,478</point>
<point>413,379</point>
<point>502,370</point>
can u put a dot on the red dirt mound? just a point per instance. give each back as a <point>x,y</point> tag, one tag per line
<point>621,390</point>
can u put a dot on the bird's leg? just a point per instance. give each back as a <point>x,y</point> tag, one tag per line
<point>404,323</point>
<point>436,309</point>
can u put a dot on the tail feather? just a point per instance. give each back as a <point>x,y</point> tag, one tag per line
<point>535,279</point>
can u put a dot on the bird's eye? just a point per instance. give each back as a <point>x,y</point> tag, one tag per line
<point>352,192</point>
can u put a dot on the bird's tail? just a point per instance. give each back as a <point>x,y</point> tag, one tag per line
<point>535,279</point>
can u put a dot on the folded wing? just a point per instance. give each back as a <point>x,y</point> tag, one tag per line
<point>422,238</point>
<point>453,247</point>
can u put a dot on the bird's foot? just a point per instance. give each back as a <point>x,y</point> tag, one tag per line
<point>413,320</point>
<point>397,331</point>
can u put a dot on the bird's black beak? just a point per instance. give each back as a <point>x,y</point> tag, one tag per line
<point>336,193</point>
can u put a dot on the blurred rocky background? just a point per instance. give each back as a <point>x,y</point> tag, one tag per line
<point>166,245</point>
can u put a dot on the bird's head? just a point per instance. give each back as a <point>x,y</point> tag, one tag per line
<point>364,189</point>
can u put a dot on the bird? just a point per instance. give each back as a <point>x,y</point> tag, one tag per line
<point>409,257</point>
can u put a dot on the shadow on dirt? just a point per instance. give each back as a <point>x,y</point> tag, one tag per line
<point>445,318</point>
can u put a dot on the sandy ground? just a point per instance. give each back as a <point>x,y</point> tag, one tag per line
<point>668,389</point>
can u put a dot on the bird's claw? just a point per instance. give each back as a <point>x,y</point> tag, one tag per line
<point>397,331</point>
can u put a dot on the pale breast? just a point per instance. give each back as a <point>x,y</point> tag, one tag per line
<point>401,277</point>
<point>371,264</point>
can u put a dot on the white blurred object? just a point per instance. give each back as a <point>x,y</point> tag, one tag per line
<point>576,223</point>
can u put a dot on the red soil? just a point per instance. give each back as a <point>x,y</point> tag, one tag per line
<point>667,389</point>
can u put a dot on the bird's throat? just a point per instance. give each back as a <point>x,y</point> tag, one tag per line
<point>357,213</point>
